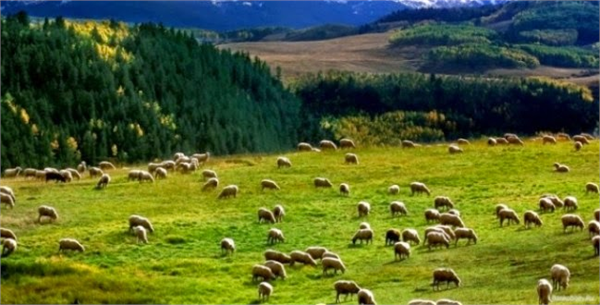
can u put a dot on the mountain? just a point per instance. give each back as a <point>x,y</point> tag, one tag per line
<point>221,15</point>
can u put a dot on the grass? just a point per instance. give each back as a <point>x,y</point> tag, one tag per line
<point>183,263</point>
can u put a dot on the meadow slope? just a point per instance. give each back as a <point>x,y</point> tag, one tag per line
<point>183,263</point>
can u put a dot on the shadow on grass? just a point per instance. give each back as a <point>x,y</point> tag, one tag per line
<point>354,246</point>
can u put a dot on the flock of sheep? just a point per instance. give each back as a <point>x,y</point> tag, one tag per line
<point>448,225</point>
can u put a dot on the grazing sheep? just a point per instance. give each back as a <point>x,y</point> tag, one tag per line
<point>182,159</point>
<point>597,214</point>
<point>443,202</point>
<point>432,215</point>
<point>548,139</point>
<point>212,183</point>
<point>47,211</point>
<point>277,256</point>
<point>322,182</point>
<point>397,207</point>
<point>346,288</point>
<point>561,168</point>
<point>394,190</point>
<point>8,200</point>
<point>105,165</point>
<point>145,176</point>
<point>168,165</point>
<point>202,158</point>
<point>555,200</point>
<point>347,143</point>
<point>350,158</point>
<point>447,302</point>
<point>546,205</point>
<point>465,233</point>
<point>581,139</point>
<point>401,249</point>
<point>178,155</point>
<point>515,140</point>
<point>596,244</point>
<point>454,212</point>
<point>364,225</point>
<point>326,144</point>
<point>8,246</point>
<point>51,170</point>
<point>140,234</point>
<point>227,246</point>
<point>408,144</point>
<point>418,187</point>
<point>593,228</point>
<point>421,302</point>
<point>188,167</point>
<point>445,275</point>
<point>82,167</point>
<point>591,187</point>
<point>264,291</point>
<point>531,217</point>
<point>29,173</point>
<point>345,189</point>
<point>229,191</point>
<point>392,236</point>
<point>74,173</point>
<point>95,172</point>
<point>332,263</point>
<point>70,244</point>
<point>160,173</point>
<point>262,271</point>
<point>508,214</point>
<point>207,174</point>
<point>570,203</point>
<point>571,220</point>
<point>136,220</point>
<point>492,142</point>
<point>330,254</point>
<point>40,175</point>
<point>58,177</point>
<point>7,233</point>
<point>103,182</point>
<point>302,146</point>
<point>152,167</point>
<point>7,190</point>
<point>363,208</point>
<point>266,215</point>
<point>302,257</point>
<point>279,213</point>
<point>563,136</point>
<point>560,276</point>
<point>269,184</point>
<point>462,141</point>
<point>453,149</point>
<point>67,175</point>
<point>437,239</point>
<point>12,172</point>
<point>283,162</point>
<point>446,229</point>
<point>316,252</point>
<point>452,220</point>
<point>275,235</point>
<point>411,235</point>
<point>588,136</point>
<point>363,234</point>
<point>501,141</point>
<point>366,297</point>
<point>277,268</point>
<point>544,291</point>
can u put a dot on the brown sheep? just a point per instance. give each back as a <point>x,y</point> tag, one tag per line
<point>279,213</point>
<point>531,217</point>
<point>266,215</point>
<point>350,158</point>
<point>508,214</point>
<point>345,189</point>
<point>302,146</point>
<point>443,202</point>
<point>452,220</point>
<point>571,220</point>
<point>392,236</point>
<point>418,187</point>
<point>397,207</point>
<point>445,275</point>
<point>259,271</point>
<point>326,144</point>
<point>347,143</point>
<point>302,257</point>
<point>322,182</point>
<point>346,288</point>
<point>277,256</point>
<point>591,187</point>
<point>548,139</point>
<point>432,215</point>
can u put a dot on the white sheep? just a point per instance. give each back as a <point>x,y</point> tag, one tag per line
<point>363,208</point>
<point>446,229</point>
<point>452,220</point>
<point>560,276</point>
<point>366,297</point>
<point>302,146</point>
<point>279,213</point>
<point>74,173</point>
<point>136,220</point>
<point>548,139</point>
<point>7,199</point>
<point>178,155</point>
<point>330,254</point>
<point>82,167</point>
<point>7,190</point>
<point>322,182</point>
<point>12,172</point>
<point>392,236</point>
<point>212,183</point>
<point>581,139</point>
<point>103,182</point>
<point>202,158</point>
<point>453,149</point>
<point>7,233</point>
<point>168,165</point>
<point>508,214</point>
<point>492,142</point>
<point>264,291</point>
<point>531,217</point>
<point>345,189</point>
<point>401,249</point>
<point>445,275</point>
<point>447,302</point>
<point>145,176</point>
<point>454,212</point>
<point>465,233</point>
<point>418,187</point>
<point>70,244</point>
<point>301,257</point>
<point>350,158</point>
<point>555,200</point>
<point>275,235</point>
<point>593,228</point>
<point>443,202</point>
<point>105,165</point>
<point>134,174</point>
<point>283,162</point>
<point>462,141</point>
<point>571,220</point>
<point>30,173</point>
<point>411,235</point>
<point>269,184</point>
<point>8,246</point>
<point>346,288</point>
<point>421,302</point>
<point>397,207</point>
<point>577,146</point>
<point>544,291</point>
<point>347,143</point>
<point>546,204</point>
<point>437,239</point>
<point>332,263</point>
<point>262,271</point>
<point>570,203</point>
<point>514,140</point>
<point>160,173</point>
<point>316,252</point>
<point>501,141</point>
<point>432,215</point>
<point>140,234</point>
<point>591,187</point>
<point>277,268</point>
<point>207,174</point>
<point>363,234</point>
<point>227,246</point>
<point>229,191</point>
<point>266,215</point>
<point>561,168</point>
<point>67,175</point>
<point>326,144</point>
<point>408,144</point>
<point>394,190</point>
<point>277,256</point>
<point>152,167</point>
<point>47,211</point>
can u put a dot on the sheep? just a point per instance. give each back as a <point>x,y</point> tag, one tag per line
<point>345,189</point>
<point>326,144</point>
<point>74,173</point>
<point>266,215</point>
<point>103,182</point>
<point>555,200</point>
<point>432,215</point>
<point>501,141</point>
<point>421,302</point>
<point>279,213</point>
<point>7,233</point>
<point>207,174</point>
<point>316,252</point>
<point>577,146</point>
<point>570,203</point>
<point>283,162</point>
<point>446,229</point>
<point>187,167</point>
<point>560,276</point>
<point>29,173</point>
<point>350,158</point>
<point>465,233</point>
<point>447,302</point>
<point>394,189</point>
<point>40,175</point>
<point>531,217</point>
<point>277,268</point>
<point>593,228</point>
<point>140,234</point>
<point>581,139</point>
<point>563,136</point>
<point>392,236</point>
<point>202,158</point>
<point>437,238</point>
<point>51,170</point>
<point>451,219</point>
<point>591,187</point>
<point>346,288</point>
<point>66,175</point>
<point>82,167</point>
<point>269,184</point>
<point>347,143</point>
<point>411,235</point>
<point>95,172</point>
<point>332,263</point>
<point>597,214</point>
<point>136,220</point>
<point>548,139</point>
<point>8,200</point>
<point>145,176</point>
<point>453,149</point>
<point>366,297</point>
<point>302,146</point>
<point>55,176</point>
<point>264,291</point>
<point>182,159</point>
<point>8,246</point>
<point>546,205</point>
<point>262,271</point>
<point>277,256</point>
<point>445,275</point>
<point>7,190</point>
<point>330,254</point>
<point>418,187</point>
<point>152,167</point>
<point>454,212</point>
<point>12,172</point>
<point>322,182</point>
<point>515,140</point>
<point>363,208</point>
<point>105,165</point>
<point>508,214</point>
<point>212,183</point>
<point>178,155</point>
<point>544,291</point>
<point>571,220</point>
<point>408,144</point>
<point>161,173</point>
<point>492,142</point>
<point>275,235</point>
<point>462,141</point>
<point>364,225</point>
<point>70,244</point>
<point>168,165</point>
<point>561,168</point>
<point>47,211</point>
<point>301,257</point>
<point>596,244</point>
<point>397,207</point>
<point>229,191</point>
<point>363,234</point>
<point>588,136</point>
<point>443,201</point>
<point>227,246</point>
<point>401,249</point>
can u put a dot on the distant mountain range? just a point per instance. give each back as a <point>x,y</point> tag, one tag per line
<point>219,15</point>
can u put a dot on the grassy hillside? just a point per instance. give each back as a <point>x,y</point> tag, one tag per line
<point>182,262</point>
